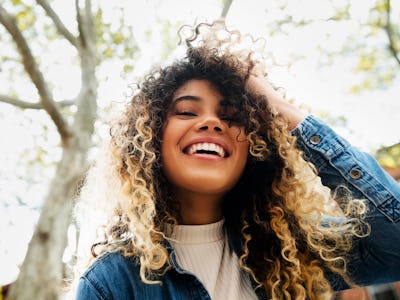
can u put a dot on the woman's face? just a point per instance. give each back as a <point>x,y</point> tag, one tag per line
<point>202,151</point>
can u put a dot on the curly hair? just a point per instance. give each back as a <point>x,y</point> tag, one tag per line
<point>278,205</point>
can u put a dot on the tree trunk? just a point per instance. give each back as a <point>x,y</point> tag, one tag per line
<point>41,272</point>
<point>40,275</point>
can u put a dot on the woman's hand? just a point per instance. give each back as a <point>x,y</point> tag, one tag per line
<point>258,83</point>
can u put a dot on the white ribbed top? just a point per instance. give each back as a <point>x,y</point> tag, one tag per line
<point>203,250</point>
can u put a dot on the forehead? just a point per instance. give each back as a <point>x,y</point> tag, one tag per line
<point>199,88</point>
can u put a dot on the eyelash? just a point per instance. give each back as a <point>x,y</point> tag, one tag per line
<point>185,113</point>
<point>226,118</point>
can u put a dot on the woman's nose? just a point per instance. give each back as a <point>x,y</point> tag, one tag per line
<point>216,128</point>
<point>211,123</point>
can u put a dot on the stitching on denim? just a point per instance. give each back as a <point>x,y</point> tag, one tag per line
<point>391,208</point>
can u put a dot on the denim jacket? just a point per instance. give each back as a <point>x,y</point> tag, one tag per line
<point>374,259</point>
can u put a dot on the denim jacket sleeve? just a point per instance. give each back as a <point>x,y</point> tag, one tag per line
<point>87,291</point>
<point>376,258</point>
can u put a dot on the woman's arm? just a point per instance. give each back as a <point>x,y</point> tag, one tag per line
<point>337,161</point>
<point>86,291</point>
<point>259,84</point>
<point>376,258</point>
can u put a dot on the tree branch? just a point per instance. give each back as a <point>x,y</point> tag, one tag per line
<point>57,22</point>
<point>81,26</point>
<point>91,31</point>
<point>34,73</point>
<point>225,9</point>
<point>31,105</point>
<point>79,19</point>
<point>85,23</point>
<point>390,33</point>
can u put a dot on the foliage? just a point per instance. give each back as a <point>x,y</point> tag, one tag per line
<point>374,38</point>
<point>389,156</point>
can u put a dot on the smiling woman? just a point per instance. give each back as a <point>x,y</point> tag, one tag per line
<point>203,152</point>
<point>213,186</point>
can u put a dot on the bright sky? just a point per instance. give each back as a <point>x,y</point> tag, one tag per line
<point>372,117</point>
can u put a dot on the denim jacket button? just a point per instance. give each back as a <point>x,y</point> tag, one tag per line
<point>355,174</point>
<point>315,140</point>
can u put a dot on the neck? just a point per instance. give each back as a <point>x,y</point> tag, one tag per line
<point>199,209</point>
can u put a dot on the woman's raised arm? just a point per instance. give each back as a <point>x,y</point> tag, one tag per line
<point>259,84</point>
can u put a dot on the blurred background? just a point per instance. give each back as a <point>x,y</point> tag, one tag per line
<point>63,63</point>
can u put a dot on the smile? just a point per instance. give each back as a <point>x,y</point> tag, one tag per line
<point>206,148</point>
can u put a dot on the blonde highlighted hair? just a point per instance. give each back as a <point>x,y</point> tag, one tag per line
<point>279,207</point>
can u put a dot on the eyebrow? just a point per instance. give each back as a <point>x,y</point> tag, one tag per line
<point>186,97</point>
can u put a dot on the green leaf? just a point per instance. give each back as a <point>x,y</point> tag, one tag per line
<point>389,156</point>
<point>365,63</point>
<point>382,6</point>
<point>25,19</point>
<point>128,68</point>
<point>118,38</point>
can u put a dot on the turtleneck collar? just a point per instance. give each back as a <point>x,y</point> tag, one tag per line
<point>194,234</point>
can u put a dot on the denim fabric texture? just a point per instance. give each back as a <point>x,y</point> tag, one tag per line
<point>374,259</point>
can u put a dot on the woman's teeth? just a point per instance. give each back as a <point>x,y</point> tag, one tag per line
<point>207,148</point>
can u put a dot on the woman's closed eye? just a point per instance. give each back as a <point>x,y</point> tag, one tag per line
<point>185,113</point>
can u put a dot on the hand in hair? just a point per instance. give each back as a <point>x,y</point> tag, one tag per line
<point>258,83</point>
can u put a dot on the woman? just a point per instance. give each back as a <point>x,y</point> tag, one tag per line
<point>212,180</point>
